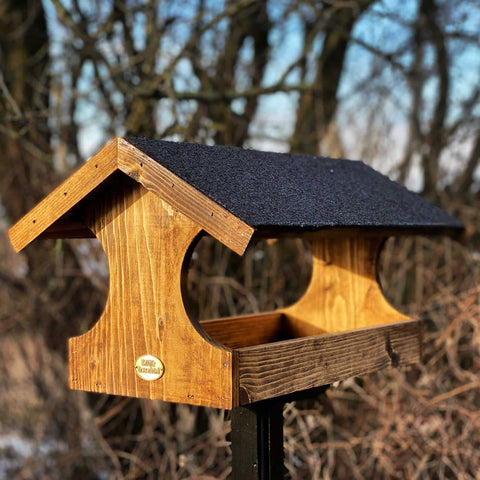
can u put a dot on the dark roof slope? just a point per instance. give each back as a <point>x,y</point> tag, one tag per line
<point>296,192</point>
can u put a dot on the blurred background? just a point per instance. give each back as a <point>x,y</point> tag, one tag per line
<point>396,84</point>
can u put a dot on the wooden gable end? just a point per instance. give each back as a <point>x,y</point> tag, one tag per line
<point>50,218</point>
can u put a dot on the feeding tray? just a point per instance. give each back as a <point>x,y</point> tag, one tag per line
<point>149,201</point>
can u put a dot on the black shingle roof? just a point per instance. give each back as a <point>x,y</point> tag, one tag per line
<point>296,192</point>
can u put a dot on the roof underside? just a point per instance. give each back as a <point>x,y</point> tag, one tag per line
<point>285,192</point>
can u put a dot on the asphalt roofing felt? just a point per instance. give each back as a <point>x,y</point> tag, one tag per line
<point>296,192</point>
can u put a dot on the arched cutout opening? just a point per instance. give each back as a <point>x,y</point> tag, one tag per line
<point>415,272</point>
<point>271,274</point>
<point>93,264</point>
<point>340,292</point>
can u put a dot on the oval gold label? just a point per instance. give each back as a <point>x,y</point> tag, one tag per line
<point>149,367</point>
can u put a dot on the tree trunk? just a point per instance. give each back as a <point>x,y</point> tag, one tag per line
<point>317,107</point>
<point>27,173</point>
<point>231,128</point>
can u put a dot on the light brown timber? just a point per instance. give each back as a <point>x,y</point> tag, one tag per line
<point>344,293</point>
<point>50,218</point>
<point>64,197</point>
<point>214,219</point>
<point>67,229</point>
<point>248,330</point>
<point>145,241</point>
<point>341,327</point>
<point>147,219</point>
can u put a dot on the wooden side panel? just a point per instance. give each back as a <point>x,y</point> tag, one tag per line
<point>64,197</point>
<point>245,331</point>
<point>145,241</point>
<point>343,293</point>
<point>267,371</point>
<point>214,219</point>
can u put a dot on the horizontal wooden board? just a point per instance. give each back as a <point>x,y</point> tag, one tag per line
<point>67,229</point>
<point>248,330</point>
<point>276,369</point>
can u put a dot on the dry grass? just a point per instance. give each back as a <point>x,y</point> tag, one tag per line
<point>422,423</point>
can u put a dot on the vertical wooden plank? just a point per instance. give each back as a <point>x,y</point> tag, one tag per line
<point>343,293</point>
<point>145,241</point>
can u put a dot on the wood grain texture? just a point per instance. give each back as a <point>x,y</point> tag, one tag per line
<point>267,371</point>
<point>146,219</point>
<point>145,241</point>
<point>341,327</point>
<point>343,293</point>
<point>64,197</point>
<point>248,330</point>
<point>50,217</point>
<point>214,219</point>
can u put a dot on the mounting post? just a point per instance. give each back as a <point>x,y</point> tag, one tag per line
<point>257,437</point>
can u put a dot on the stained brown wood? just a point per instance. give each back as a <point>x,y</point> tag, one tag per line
<point>50,217</point>
<point>64,197</point>
<point>248,330</point>
<point>147,219</point>
<point>267,371</point>
<point>343,293</point>
<point>341,327</point>
<point>145,241</point>
<point>214,219</point>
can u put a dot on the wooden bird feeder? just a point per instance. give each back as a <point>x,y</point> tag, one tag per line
<point>149,201</point>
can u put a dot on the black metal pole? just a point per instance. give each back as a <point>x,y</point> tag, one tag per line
<point>257,437</point>
<point>257,441</point>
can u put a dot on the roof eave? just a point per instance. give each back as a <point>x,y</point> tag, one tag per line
<point>45,218</point>
<point>213,218</point>
<point>65,196</point>
<point>266,231</point>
